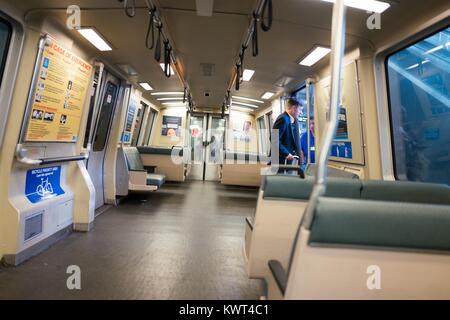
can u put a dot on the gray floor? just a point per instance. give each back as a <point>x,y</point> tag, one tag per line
<point>185,242</point>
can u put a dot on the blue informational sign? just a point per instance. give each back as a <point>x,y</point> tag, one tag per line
<point>126,137</point>
<point>342,150</point>
<point>43,183</point>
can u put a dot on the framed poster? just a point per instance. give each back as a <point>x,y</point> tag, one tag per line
<point>56,101</point>
<point>348,144</point>
<point>171,126</point>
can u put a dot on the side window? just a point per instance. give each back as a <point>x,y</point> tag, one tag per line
<point>105,117</point>
<point>5,37</point>
<point>419,103</point>
<point>262,135</point>
<point>148,130</point>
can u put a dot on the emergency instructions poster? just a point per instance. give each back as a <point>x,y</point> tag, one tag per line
<point>59,96</point>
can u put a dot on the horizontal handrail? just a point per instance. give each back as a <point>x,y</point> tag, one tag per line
<point>21,155</point>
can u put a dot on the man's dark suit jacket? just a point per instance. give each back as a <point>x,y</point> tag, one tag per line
<point>289,137</point>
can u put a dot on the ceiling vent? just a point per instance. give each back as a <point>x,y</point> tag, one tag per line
<point>283,81</point>
<point>204,7</point>
<point>128,69</point>
<point>207,69</point>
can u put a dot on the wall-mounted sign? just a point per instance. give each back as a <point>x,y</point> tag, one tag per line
<point>43,183</point>
<point>58,97</point>
<point>342,130</point>
<point>342,150</point>
<point>171,126</point>
<point>130,114</point>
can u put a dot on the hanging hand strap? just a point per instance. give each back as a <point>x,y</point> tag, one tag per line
<point>267,6</point>
<point>255,35</point>
<point>158,44</point>
<point>151,30</point>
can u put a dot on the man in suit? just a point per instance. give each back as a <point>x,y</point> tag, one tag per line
<point>288,132</point>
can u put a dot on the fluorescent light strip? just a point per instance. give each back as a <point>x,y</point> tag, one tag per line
<point>91,35</point>
<point>245,104</point>
<point>248,74</point>
<point>315,56</point>
<point>367,5</point>
<point>267,95</point>
<point>241,108</point>
<point>171,69</point>
<point>247,99</point>
<point>178,93</point>
<point>169,99</point>
<point>146,86</point>
<point>174,104</point>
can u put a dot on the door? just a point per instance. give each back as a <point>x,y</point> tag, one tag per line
<point>109,92</point>
<point>207,134</point>
<point>197,132</point>
<point>214,147</point>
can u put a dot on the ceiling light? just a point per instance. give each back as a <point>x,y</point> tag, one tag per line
<point>367,5</point>
<point>245,104</point>
<point>267,95</point>
<point>171,69</point>
<point>174,104</point>
<point>95,38</point>
<point>247,99</point>
<point>177,93</point>
<point>169,99</point>
<point>233,107</point>
<point>248,74</point>
<point>315,56</point>
<point>146,86</point>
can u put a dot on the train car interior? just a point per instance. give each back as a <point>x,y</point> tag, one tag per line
<point>143,149</point>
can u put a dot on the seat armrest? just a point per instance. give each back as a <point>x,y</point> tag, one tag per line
<point>136,170</point>
<point>138,177</point>
<point>279,274</point>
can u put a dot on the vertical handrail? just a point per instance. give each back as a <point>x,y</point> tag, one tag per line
<point>308,113</point>
<point>337,55</point>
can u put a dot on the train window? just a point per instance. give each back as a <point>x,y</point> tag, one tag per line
<point>91,109</point>
<point>419,102</point>
<point>105,117</point>
<point>148,130</point>
<point>262,135</point>
<point>5,37</point>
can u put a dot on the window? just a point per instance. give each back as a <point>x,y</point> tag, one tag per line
<point>105,117</point>
<point>419,103</point>
<point>149,126</point>
<point>262,135</point>
<point>5,37</point>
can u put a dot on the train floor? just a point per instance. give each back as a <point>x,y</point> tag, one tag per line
<point>184,242</point>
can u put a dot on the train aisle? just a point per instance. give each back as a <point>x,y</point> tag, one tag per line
<point>184,242</point>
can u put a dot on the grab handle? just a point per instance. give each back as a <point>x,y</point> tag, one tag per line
<point>21,155</point>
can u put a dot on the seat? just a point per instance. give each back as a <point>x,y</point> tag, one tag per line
<point>139,179</point>
<point>397,232</point>
<point>161,157</point>
<point>242,169</point>
<point>281,202</point>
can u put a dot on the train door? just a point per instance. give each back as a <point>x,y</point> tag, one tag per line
<point>109,94</point>
<point>214,147</point>
<point>207,135</point>
<point>197,131</point>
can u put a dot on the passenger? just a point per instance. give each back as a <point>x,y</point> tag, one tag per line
<point>289,133</point>
<point>304,143</point>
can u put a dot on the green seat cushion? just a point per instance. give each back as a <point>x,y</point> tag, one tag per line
<point>242,156</point>
<point>161,150</point>
<point>294,188</point>
<point>155,179</point>
<point>403,191</point>
<point>381,224</point>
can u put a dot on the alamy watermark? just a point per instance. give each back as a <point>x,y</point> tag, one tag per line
<point>74,280</point>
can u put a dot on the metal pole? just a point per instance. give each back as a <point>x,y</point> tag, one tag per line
<point>308,111</point>
<point>337,55</point>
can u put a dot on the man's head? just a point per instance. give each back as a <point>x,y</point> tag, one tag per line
<point>293,107</point>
